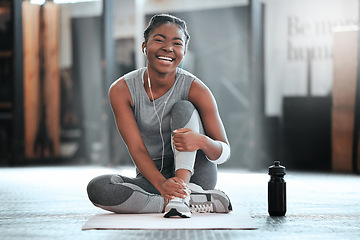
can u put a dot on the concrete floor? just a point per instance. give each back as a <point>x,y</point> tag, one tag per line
<point>51,203</point>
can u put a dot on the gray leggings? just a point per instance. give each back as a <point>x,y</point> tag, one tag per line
<point>122,194</point>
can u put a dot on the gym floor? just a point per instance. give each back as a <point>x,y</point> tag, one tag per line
<point>51,203</point>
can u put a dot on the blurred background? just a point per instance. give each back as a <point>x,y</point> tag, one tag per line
<point>284,74</point>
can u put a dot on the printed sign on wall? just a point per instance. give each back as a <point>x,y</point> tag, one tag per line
<point>298,46</point>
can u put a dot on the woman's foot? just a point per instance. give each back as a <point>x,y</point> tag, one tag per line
<point>211,201</point>
<point>179,207</point>
<point>200,200</point>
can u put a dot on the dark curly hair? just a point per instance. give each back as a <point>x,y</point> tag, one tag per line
<point>160,19</point>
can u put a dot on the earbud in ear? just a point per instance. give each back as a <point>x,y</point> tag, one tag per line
<point>144,50</point>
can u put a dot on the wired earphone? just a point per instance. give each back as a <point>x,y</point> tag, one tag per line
<point>160,118</point>
<point>162,113</point>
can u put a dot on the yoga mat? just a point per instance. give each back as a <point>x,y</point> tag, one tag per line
<point>237,219</point>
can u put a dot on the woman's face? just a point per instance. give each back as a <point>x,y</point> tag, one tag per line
<point>165,48</point>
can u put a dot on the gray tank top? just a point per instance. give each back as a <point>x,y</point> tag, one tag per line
<point>144,111</point>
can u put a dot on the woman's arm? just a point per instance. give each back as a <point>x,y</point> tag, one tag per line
<point>186,140</point>
<point>121,103</point>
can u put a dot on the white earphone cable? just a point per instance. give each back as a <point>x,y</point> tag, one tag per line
<point>160,119</point>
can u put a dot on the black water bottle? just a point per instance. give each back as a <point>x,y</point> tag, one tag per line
<point>277,190</point>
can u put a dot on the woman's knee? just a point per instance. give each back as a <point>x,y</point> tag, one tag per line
<point>107,190</point>
<point>182,106</point>
<point>182,113</point>
<point>96,186</point>
<point>182,109</point>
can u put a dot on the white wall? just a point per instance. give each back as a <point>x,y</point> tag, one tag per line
<point>295,28</point>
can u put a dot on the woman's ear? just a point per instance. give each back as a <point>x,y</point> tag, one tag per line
<point>144,48</point>
<point>184,55</point>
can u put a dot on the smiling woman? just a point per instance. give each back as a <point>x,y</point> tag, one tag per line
<point>171,126</point>
<point>165,42</point>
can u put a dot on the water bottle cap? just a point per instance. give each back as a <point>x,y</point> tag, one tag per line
<point>277,169</point>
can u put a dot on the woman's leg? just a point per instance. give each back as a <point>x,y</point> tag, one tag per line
<point>184,115</point>
<point>195,168</point>
<point>204,172</point>
<point>120,194</point>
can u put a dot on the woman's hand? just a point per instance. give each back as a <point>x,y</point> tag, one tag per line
<point>187,140</point>
<point>173,187</point>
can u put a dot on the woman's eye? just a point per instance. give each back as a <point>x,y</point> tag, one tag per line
<point>178,43</point>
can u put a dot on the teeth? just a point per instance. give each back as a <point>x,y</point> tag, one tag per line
<point>165,58</point>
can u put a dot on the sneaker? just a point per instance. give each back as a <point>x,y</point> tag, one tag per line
<point>208,201</point>
<point>179,207</point>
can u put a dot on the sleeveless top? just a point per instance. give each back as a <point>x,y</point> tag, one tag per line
<point>144,111</point>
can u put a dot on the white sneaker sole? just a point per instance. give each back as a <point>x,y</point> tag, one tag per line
<point>175,213</point>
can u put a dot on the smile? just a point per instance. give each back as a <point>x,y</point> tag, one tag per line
<point>167,59</point>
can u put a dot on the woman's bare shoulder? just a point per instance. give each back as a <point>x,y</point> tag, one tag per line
<point>118,85</point>
<point>119,91</point>
<point>199,92</point>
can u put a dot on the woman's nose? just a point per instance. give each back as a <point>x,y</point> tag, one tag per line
<point>168,47</point>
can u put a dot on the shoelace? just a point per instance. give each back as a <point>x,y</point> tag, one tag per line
<point>202,208</point>
<point>187,190</point>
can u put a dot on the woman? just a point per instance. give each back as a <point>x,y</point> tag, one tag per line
<point>170,124</point>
